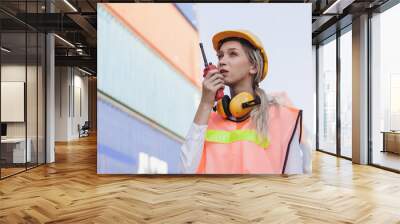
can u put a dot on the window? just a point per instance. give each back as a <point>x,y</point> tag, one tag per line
<point>385,88</point>
<point>22,78</point>
<point>327,96</point>
<point>346,93</point>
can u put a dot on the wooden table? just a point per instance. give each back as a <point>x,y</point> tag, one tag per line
<point>391,141</point>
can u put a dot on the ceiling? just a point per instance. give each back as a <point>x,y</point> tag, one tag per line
<point>75,21</point>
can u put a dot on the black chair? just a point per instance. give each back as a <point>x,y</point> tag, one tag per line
<point>84,130</point>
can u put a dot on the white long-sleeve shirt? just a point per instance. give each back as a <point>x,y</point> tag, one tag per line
<point>299,159</point>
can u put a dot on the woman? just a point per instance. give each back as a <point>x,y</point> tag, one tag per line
<point>253,132</point>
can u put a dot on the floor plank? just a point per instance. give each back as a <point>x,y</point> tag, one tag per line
<point>70,191</point>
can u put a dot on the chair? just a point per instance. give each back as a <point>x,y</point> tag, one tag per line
<point>84,130</point>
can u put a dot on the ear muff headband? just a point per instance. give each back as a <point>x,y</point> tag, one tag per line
<point>225,104</point>
<point>222,107</point>
<point>252,103</point>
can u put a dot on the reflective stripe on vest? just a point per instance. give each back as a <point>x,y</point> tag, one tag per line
<point>226,137</point>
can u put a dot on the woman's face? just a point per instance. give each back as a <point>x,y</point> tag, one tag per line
<point>234,63</point>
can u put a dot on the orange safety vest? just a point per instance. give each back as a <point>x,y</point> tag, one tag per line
<point>231,148</point>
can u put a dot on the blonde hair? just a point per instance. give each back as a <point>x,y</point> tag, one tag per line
<point>259,115</point>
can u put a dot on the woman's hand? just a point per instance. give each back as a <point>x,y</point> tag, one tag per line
<point>212,82</point>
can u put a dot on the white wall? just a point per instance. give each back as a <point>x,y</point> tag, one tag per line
<point>80,83</point>
<point>70,83</point>
<point>61,103</point>
<point>33,126</point>
<point>12,100</point>
<point>12,73</point>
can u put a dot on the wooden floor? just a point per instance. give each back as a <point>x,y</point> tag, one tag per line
<point>70,191</point>
<point>388,159</point>
<point>10,171</point>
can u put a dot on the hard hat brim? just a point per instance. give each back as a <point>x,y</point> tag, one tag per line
<point>218,37</point>
<point>231,33</point>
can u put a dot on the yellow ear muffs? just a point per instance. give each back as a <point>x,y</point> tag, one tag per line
<point>223,107</point>
<point>238,108</point>
<point>236,104</point>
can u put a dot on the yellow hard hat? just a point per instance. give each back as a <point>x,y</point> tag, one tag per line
<point>244,34</point>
